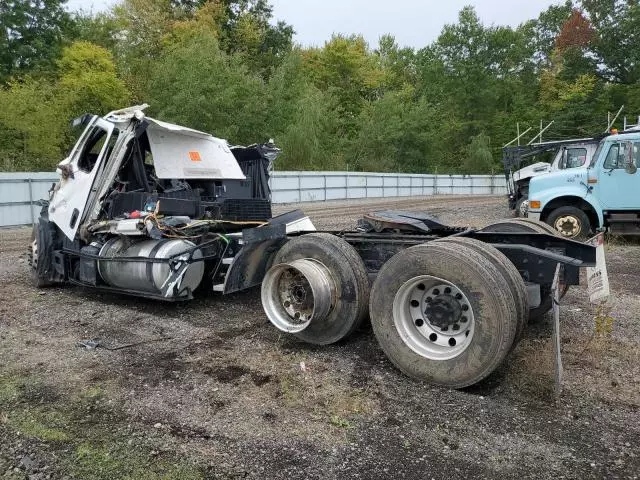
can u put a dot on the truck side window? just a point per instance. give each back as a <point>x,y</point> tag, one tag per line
<point>93,147</point>
<point>618,154</point>
<point>575,157</point>
<point>612,158</point>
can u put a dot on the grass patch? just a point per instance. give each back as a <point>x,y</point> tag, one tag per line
<point>9,390</point>
<point>323,395</point>
<point>92,461</point>
<point>35,410</point>
<point>46,425</point>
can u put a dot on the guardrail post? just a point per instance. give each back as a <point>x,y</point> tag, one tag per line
<point>324,186</point>
<point>435,182</point>
<point>33,220</point>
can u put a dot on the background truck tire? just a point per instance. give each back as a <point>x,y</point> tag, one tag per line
<point>519,210</point>
<point>474,280</point>
<point>541,227</point>
<point>352,282</point>
<point>570,222</point>
<point>509,271</point>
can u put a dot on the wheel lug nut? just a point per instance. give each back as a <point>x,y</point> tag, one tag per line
<point>458,296</point>
<point>465,308</point>
<point>463,320</point>
<point>456,327</point>
<point>415,303</point>
<point>436,291</point>
<point>447,290</point>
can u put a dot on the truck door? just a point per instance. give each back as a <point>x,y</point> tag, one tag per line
<point>618,190</point>
<point>78,173</point>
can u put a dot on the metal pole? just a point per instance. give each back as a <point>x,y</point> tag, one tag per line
<point>610,124</point>
<point>541,131</point>
<point>493,180</point>
<point>33,220</point>
<point>518,131</point>
<point>325,187</point>
<point>519,137</point>
<point>435,182</point>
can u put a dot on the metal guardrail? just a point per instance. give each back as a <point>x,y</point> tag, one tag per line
<point>19,191</point>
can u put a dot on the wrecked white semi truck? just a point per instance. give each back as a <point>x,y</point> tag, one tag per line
<point>161,211</point>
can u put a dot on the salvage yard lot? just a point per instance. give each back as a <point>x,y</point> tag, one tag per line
<point>216,392</point>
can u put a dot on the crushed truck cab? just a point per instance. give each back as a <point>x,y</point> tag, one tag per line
<point>160,211</point>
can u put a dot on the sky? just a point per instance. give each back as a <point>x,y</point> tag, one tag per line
<point>413,23</point>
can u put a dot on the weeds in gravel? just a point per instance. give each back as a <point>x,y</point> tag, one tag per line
<point>325,396</point>
<point>603,321</point>
<point>31,409</point>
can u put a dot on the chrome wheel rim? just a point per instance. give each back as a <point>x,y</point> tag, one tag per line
<point>568,226</point>
<point>295,294</point>
<point>434,317</point>
<point>524,208</point>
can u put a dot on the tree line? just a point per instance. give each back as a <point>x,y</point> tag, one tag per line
<point>230,68</point>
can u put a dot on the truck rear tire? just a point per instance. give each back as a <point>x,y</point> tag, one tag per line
<point>570,222</point>
<point>509,271</point>
<point>530,225</point>
<point>349,278</point>
<point>421,295</point>
<point>539,226</point>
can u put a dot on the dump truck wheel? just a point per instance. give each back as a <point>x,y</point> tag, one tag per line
<point>39,254</point>
<point>521,207</point>
<point>509,271</point>
<point>443,313</point>
<point>317,289</point>
<point>570,222</point>
<point>530,225</point>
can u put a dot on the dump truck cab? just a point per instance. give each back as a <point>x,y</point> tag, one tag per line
<point>562,155</point>
<point>604,194</point>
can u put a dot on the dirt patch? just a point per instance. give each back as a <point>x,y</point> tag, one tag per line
<point>225,395</point>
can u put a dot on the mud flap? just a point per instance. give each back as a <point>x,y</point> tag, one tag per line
<point>556,290</point>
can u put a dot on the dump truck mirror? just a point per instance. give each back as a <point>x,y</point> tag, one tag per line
<point>629,164</point>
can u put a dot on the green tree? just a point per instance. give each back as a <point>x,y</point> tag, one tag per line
<point>33,33</point>
<point>196,84</point>
<point>617,38</point>
<point>32,128</point>
<point>478,158</point>
<point>88,81</point>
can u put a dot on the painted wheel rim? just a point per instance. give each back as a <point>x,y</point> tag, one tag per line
<point>568,226</point>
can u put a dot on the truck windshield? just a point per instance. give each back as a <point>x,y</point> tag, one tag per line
<point>596,154</point>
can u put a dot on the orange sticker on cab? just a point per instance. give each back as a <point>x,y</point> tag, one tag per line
<point>195,156</point>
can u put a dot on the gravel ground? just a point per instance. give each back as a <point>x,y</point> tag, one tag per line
<point>216,392</point>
